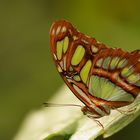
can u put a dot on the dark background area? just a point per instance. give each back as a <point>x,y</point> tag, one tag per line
<point>27,74</point>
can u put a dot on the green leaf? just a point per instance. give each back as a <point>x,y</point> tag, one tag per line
<point>68,123</point>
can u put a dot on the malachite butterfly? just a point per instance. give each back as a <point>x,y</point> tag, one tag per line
<point>102,78</point>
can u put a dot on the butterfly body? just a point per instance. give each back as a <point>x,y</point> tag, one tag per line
<point>102,78</point>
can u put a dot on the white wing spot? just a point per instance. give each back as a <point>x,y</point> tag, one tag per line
<point>98,42</point>
<point>55,57</point>
<point>94,49</point>
<point>53,31</point>
<point>87,36</point>
<point>75,37</point>
<point>62,65</point>
<point>63,29</point>
<point>70,80</point>
<point>58,30</point>
<point>59,68</point>
<point>86,42</point>
<point>70,31</point>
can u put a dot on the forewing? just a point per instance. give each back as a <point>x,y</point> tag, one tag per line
<point>73,53</point>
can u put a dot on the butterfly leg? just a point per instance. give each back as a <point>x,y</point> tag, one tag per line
<point>97,121</point>
<point>100,124</point>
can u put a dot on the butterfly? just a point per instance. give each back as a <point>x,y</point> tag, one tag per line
<point>102,78</point>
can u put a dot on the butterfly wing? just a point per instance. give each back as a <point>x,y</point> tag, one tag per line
<point>95,74</point>
<point>69,48</point>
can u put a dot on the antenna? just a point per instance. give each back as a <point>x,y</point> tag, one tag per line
<point>46,104</point>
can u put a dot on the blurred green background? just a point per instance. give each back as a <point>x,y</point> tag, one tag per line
<point>27,74</point>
